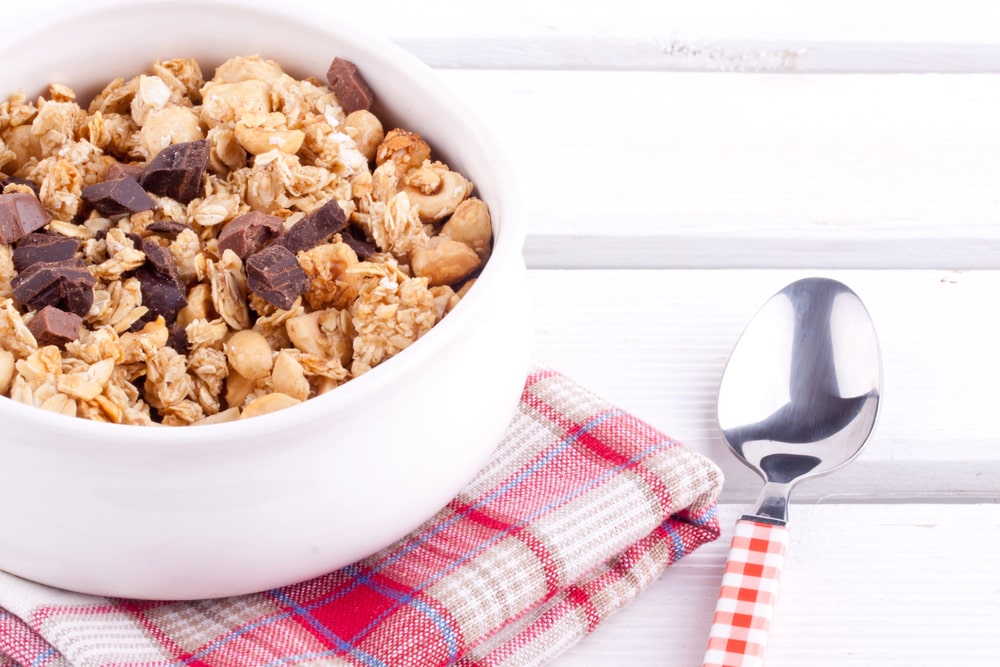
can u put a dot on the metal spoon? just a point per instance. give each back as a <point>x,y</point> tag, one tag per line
<point>799,398</point>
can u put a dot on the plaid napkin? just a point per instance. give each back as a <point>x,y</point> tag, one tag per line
<point>581,507</point>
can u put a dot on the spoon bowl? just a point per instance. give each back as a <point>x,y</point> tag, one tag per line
<point>799,398</point>
<point>800,393</point>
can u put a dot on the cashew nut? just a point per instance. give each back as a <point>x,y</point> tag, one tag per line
<point>406,149</point>
<point>470,224</point>
<point>365,129</point>
<point>436,190</point>
<point>257,140</point>
<point>444,261</point>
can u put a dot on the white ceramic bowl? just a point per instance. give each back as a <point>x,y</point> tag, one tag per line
<point>217,510</point>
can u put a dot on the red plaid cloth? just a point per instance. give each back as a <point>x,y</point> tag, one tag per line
<point>581,508</point>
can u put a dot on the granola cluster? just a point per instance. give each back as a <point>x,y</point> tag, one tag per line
<point>308,247</point>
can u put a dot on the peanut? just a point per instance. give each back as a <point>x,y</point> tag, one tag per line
<point>268,403</point>
<point>249,353</point>
<point>366,130</point>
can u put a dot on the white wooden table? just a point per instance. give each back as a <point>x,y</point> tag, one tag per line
<point>683,161</point>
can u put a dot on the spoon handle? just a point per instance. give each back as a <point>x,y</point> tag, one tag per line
<point>745,608</point>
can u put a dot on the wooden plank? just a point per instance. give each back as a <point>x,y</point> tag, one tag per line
<point>894,586</point>
<point>715,35</point>
<point>738,170</point>
<point>656,342</point>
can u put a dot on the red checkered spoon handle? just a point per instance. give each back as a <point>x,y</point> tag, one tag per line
<point>749,590</point>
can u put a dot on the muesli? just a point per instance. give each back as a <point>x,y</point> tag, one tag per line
<point>183,250</point>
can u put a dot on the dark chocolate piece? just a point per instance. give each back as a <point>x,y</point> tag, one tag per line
<point>160,294</point>
<point>122,195</point>
<point>167,227</point>
<point>275,275</point>
<point>317,226</point>
<point>67,285</point>
<point>20,214</point>
<point>177,171</point>
<point>177,338</point>
<point>248,233</point>
<point>362,248</point>
<point>37,247</point>
<point>52,326</point>
<point>9,180</point>
<point>117,170</point>
<point>348,85</point>
<point>160,259</point>
<point>162,290</point>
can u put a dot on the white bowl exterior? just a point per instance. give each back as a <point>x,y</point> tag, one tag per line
<point>193,512</point>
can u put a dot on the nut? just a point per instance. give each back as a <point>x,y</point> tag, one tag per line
<point>436,191</point>
<point>6,370</point>
<point>444,261</point>
<point>237,389</point>
<point>406,149</point>
<point>305,334</point>
<point>170,125</point>
<point>199,305</point>
<point>366,130</point>
<point>258,140</point>
<point>470,224</point>
<point>227,102</point>
<point>288,377</point>
<point>249,354</point>
<point>268,403</point>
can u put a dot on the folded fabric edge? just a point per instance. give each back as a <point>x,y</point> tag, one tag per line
<point>579,609</point>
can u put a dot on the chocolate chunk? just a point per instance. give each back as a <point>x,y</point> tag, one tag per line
<point>122,195</point>
<point>313,229</point>
<point>167,227</point>
<point>248,233</point>
<point>177,171</point>
<point>162,290</point>
<point>363,249</point>
<point>20,213</point>
<point>160,294</point>
<point>14,180</point>
<point>67,285</point>
<point>52,326</point>
<point>350,88</point>
<point>117,170</point>
<point>274,275</point>
<point>177,338</point>
<point>159,259</point>
<point>36,247</point>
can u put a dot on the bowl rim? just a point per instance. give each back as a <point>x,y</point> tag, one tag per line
<point>509,234</point>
